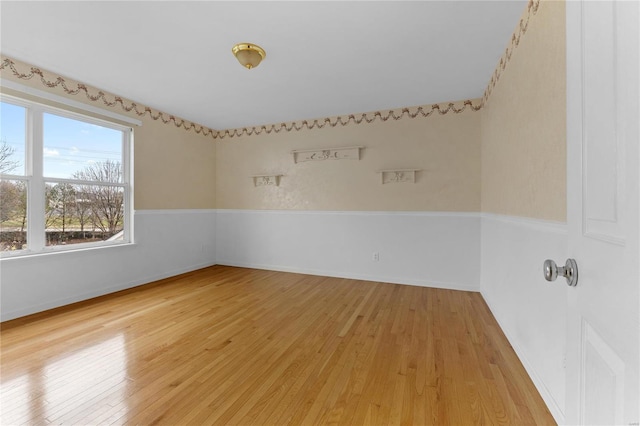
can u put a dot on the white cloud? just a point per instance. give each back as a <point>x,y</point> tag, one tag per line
<point>74,150</point>
<point>51,152</point>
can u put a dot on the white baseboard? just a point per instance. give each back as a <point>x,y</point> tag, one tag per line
<point>348,275</point>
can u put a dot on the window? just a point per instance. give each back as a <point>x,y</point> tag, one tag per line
<point>65,179</point>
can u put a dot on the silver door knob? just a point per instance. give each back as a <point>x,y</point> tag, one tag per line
<point>569,271</point>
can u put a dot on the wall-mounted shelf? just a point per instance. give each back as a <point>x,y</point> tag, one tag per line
<point>266,180</point>
<point>398,175</point>
<point>346,153</point>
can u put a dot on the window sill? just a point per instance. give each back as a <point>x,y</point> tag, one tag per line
<point>57,250</point>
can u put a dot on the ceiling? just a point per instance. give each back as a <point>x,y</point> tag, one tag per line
<point>324,58</point>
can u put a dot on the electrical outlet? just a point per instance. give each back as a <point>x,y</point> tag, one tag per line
<point>376,256</point>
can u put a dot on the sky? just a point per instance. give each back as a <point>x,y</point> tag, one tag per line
<point>69,145</point>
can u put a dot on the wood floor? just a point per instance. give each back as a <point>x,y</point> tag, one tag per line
<point>238,346</point>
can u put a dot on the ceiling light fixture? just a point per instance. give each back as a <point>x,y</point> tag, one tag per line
<point>249,55</point>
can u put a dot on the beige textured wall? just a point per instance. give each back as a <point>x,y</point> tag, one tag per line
<point>509,158</point>
<point>524,125</point>
<point>445,147</point>
<point>173,168</point>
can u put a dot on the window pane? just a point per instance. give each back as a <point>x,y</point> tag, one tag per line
<point>83,213</point>
<point>12,139</point>
<point>75,149</point>
<point>13,215</point>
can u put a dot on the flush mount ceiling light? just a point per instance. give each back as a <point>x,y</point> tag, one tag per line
<point>249,55</point>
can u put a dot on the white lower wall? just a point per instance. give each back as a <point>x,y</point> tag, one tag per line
<point>530,310</point>
<point>168,242</point>
<point>418,248</point>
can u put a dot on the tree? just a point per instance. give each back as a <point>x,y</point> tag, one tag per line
<point>9,200</point>
<point>106,201</point>
<point>6,163</point>
<point>13,209</point>
<point>61,201</point>
<point>11,193</point>
<point>83,210</point>
<point>21,207</point>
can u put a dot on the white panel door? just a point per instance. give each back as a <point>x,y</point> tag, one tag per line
<point>603,186</point>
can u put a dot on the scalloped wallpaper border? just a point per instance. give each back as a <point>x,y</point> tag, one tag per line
<point>419,112</point>
<point>366,117</point>
<point>127,106</point>
<point>523,25</point>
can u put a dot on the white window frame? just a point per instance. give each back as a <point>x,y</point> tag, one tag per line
<point>34,176</point>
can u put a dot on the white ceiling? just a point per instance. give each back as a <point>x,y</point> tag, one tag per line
<point>324,58</point>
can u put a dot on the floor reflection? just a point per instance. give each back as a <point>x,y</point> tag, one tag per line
<point>15,399</point>
<point>69,388</point>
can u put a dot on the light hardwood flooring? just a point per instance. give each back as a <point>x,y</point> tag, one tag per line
<point>239,346</point>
